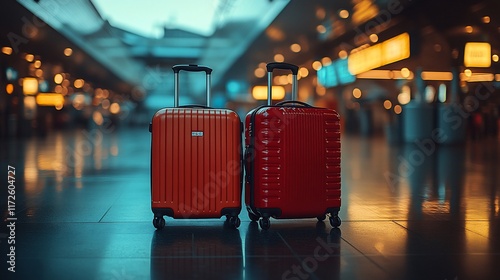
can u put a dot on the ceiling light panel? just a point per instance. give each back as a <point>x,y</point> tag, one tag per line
<point>79,15</point>
<point>150,17</point>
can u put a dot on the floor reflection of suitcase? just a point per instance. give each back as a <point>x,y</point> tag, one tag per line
<point>195,160</point>
<point>196,252</point>
<point>292,159</point>
<point>298,251</point>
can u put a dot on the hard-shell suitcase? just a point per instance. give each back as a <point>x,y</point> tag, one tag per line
<point>196,154</point>
<point>292,159</point>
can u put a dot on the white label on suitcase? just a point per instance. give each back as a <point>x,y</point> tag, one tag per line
<point>196,133</point>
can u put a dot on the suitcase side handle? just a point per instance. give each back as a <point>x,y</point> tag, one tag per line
<point>293,102</point>
<point>191,68</point>
<point>285,66</point>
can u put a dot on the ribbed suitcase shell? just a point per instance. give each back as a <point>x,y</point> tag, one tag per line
<point>296,162</point>
<point>194,175</point>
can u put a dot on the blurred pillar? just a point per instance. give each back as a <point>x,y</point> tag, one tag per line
<point>365,120</point>
<point>393,129</point>
<point>418,116</point>
<point>419,89</point>
<point>449,121</point>
<point>418,122</point>
<point>454,87</point>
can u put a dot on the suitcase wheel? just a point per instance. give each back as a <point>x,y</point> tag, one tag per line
<point>321,218</point>
<point>253,217</point>
<point>232,221</point>
<point>235,221</point>
<point>335,221</point>
<point>159,222</point>
<point>264,223</point>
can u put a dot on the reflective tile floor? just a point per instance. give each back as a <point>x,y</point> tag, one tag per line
<point>82,204</point>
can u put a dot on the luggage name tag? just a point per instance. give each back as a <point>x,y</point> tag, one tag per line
<point>196,133</point>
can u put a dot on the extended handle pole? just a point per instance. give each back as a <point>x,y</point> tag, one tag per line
<point>281,65</point>
<point>209,86</point>
<point>191,68</point>
<point>176,89</point>
<point>294,86</point>
<point>269,87</point>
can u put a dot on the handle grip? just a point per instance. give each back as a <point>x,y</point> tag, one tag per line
<point>191,68</point>
<point>282,65</point>
<point>293,102</point>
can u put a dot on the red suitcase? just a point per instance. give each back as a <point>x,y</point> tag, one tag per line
<point>292,159</point>
<point>196,154</point>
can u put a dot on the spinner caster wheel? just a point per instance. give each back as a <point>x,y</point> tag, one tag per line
<point>321,218</point>
<point>253,217</point>
<point>335,221</point>
<point>264,223</point>
<point>159,222</point>
<point>235,222</point>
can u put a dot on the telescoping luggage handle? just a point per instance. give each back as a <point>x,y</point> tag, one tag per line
<point>190,68</point>
<point>285,66</point>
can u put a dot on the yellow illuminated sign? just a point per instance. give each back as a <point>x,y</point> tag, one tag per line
<point>260,92</point>
<point>392,50</point>
<point>50,99</point>
<point>477,55</point>
<point>365,59</point>
<point>396,49</point>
